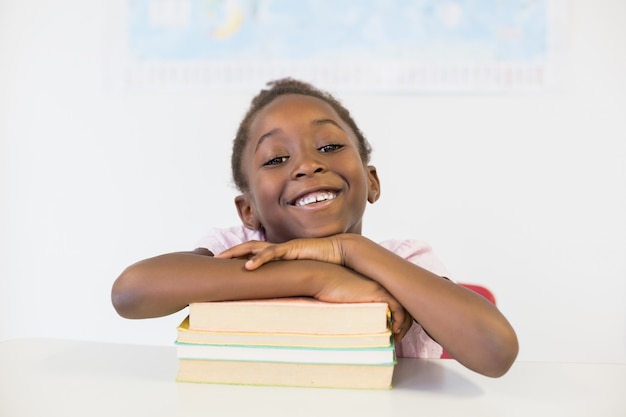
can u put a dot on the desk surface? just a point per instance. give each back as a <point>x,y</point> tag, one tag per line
<point>47,377</point>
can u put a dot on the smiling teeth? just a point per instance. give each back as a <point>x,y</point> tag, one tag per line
<point>316,197</point>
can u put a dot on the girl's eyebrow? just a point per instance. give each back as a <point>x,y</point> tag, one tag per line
<point>267,135</point>
<point>316,122</point>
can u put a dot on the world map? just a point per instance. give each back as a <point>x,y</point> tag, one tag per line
<point>366,45</point>
<point>339,29</point>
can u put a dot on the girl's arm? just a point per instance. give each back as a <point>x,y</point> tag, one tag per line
<point>465,324</point>
<point>165,284</point>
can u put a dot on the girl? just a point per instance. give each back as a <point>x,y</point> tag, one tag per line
<point>302,167</point>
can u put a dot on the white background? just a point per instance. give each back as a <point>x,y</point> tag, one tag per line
<point>523,193</point>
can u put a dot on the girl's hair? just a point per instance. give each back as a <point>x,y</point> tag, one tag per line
<point>279,88</point>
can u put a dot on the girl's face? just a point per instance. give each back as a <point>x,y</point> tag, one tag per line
<point>305,173</point>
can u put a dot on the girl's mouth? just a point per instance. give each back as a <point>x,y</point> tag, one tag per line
<point>315,197</point>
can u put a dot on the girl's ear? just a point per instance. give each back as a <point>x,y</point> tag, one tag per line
<point>246,212</point>
<point>374,184</point>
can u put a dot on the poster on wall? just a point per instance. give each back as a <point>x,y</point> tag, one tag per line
<point>394,46</point>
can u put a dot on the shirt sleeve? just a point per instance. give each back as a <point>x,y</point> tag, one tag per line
<point>417,252</point>
<point>218,240</point>
<point>417,343</point>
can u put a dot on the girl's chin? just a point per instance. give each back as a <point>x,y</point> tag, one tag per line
<point>312,231</point>
<point>328,231</point>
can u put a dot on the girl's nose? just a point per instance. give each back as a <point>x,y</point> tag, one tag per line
<point>308,165</point>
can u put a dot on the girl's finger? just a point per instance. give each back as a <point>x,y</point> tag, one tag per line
<point>241,250</point>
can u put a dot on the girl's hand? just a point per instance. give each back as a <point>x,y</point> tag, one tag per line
<point>327,249</point>
<point>340,285</point>
<point>343,285</point>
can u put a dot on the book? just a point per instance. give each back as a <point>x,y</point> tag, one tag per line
<point>286,374</point>
<point>187,335</point>
<point>299,315</point>
<point>305,355</point>
<point>296,341</point>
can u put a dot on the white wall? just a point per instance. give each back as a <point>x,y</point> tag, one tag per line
<point>525,194</point>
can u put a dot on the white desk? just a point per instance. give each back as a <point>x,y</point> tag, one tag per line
<point>43,377</point>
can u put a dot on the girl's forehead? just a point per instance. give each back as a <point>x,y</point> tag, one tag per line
<point>289,104</point>
<point>292,109</point>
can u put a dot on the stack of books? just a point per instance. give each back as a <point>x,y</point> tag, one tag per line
<point>288,342</point>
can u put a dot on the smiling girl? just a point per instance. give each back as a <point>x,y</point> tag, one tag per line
<point>302,167</point>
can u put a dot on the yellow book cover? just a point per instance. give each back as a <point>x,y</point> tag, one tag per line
<point>187,335</point>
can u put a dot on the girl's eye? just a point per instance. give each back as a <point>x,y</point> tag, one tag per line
<point>330,148</point>
<point>276,161</point>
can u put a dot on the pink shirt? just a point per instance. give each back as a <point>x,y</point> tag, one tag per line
<point>416,343</point>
